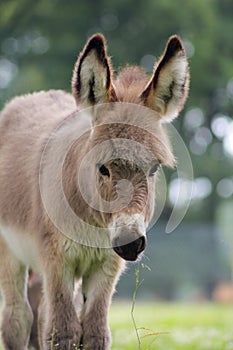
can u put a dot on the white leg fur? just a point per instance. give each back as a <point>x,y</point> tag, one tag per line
<point>17,315</point>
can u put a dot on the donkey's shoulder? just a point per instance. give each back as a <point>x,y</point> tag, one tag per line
<point>32,111</point>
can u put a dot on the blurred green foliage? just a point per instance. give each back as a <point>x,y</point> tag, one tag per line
<point>132,29</point>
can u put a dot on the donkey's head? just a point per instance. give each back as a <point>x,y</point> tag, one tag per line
<point>127,141</point>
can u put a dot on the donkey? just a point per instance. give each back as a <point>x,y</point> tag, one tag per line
<point>77,184</point>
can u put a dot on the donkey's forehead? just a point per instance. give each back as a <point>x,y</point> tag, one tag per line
<point>129,152</point>
<point>129,142</point>
<point>127,113</point>
<point>111,131</point>
<point>132,122</point>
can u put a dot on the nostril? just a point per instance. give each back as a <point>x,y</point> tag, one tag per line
<point>118,250</point>
<point>141,244</point>
<point>117,246</point>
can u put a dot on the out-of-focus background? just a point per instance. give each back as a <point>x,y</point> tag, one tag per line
<point>39,43</point>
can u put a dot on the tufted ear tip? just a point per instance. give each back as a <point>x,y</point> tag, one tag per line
<point>167,90</point>
<point>98,43</point>
<point>98,38</point>
<point>174,45</point>
<point>92,76</point>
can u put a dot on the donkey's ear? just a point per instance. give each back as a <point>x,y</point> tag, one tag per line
<point>92,76</point>
<point>167,90</point>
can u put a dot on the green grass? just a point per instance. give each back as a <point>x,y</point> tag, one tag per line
<point>188,326</point>
<point>185,326</point>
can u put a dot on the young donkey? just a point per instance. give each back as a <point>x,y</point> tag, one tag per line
<point>102,147</point>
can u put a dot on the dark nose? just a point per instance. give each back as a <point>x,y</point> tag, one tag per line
<point>129,251</point>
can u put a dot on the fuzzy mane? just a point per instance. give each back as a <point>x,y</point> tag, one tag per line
<point>129,83</point>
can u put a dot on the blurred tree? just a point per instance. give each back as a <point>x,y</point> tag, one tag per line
<point>132,32</point>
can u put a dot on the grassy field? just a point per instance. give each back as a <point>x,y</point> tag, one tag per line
<point>172,326</point>
<point>182,327</point>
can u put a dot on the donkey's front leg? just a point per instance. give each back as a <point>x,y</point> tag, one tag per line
<point>98,288</point>
<point>61,329</point>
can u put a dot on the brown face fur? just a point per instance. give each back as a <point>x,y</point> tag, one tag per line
<point>133,152</point>
<point>127,152</point>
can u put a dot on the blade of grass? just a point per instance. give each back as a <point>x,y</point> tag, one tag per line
<point>138,283</point>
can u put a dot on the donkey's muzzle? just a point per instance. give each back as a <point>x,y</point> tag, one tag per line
<point>131,250</point>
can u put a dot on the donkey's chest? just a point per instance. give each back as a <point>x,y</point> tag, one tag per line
<point>82,259</point>
<point>86,259</point>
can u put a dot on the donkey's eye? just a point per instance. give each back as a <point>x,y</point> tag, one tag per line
<point>153,169</point>
<point>103,170</point>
